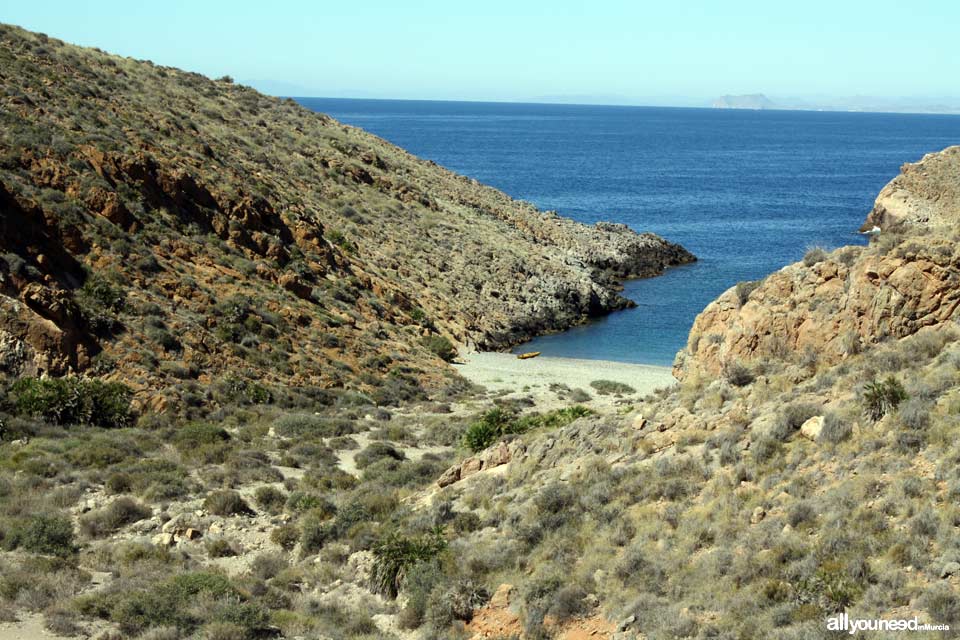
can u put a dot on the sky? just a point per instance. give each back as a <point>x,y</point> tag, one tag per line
<point>619,52</point>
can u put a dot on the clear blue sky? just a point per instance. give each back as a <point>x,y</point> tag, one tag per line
<point>622,51</point>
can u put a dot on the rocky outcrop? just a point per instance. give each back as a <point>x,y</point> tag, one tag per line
<point>243,233</point>
<point>491,457</point>
<point>828,308</point>
<point>926,193</point>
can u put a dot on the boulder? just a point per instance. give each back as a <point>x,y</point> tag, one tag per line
<point>811,428</point>
<point>495,456</point>
<point>501,597</point>
<point>470,466</point>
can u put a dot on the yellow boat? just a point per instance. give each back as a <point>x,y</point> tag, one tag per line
<point>524,356</point>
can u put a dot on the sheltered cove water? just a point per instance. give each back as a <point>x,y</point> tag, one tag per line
<point>746,191</point>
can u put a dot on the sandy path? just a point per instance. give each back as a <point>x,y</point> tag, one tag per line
<point>504,372</point>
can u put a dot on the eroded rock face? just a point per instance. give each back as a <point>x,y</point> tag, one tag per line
<point>854,297</point>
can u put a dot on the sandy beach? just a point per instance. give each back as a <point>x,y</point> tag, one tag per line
<point>505,372</point>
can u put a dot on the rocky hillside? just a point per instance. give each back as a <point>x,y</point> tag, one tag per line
<point>170,229</point>
<point>805,466</point>
<point>833,305</point>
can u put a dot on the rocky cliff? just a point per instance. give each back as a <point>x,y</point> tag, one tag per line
<point>832,305</point>
<point>162,226</point>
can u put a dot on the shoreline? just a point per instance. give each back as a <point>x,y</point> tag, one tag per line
<point>504,372</point>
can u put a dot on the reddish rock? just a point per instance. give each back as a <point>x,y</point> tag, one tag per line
<point>470,466</point>
<point>449,476</point>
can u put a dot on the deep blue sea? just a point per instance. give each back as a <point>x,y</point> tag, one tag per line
<point>746,191</point>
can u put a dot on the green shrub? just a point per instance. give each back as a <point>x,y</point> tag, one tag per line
<point>440,347</point>
<point>611,387</point>
<point>202,441</point>
<point>396,554</point>
<point>315,531</point>
<point>498,422</point>
<point>48,534</point>
<point>376,451</point>
<point>73,400</point>
<point>880,398</point>
<point>98,292</point>
<point>485,431</point>
<point>296,425</point>
<point>285,536</point>
<point>301,502</point>
<point>171,603</point>
<point>270,499</point>
<point>226,503</point>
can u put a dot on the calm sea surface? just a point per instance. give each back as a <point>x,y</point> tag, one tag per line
<point>747,191</point>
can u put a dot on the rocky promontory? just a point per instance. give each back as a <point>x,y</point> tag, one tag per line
<point>832,305</point>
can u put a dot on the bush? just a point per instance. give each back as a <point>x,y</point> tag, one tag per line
<point>498,422</point>
<point>611,387</point>
<point>294,425</point>
<point>270,499</point>
<point>835,429</point>
<point>396,554</point>
<point>201,441</point>
<point>171,603</point>
<point>315,531</point>
<point>745,288</point>
<point>813,256</point>
<point>942,603</point>
<point>285,536</point>
<point>48,534</point>
<point>73,400</point>
<point>737,374</point>
<point>491,425</point>
<point>117,514</point>
<point>220,548</point>
<point>376,451</point>
<point>301,502</point>
<point>915,414</point>
<point>226,503</point>
<point>440,347</point>
<point>880,398</point>
<point>792,418</point>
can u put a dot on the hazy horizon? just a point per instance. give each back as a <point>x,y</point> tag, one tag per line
<point>570,52</point>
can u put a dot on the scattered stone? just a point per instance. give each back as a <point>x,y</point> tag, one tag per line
<point>758,515</point>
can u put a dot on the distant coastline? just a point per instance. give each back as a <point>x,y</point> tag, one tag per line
<point>943,110</point>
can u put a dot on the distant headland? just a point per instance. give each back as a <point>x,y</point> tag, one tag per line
<point>748,101</point>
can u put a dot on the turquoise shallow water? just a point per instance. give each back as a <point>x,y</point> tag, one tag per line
<point>747,191</point>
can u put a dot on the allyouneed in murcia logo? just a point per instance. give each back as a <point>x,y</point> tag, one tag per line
<point>843,622</point>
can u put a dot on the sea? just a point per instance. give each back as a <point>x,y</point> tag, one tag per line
<point>747,192</point>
